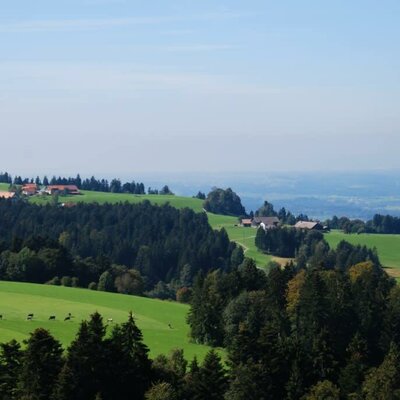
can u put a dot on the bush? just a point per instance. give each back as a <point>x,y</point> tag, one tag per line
<point>92,286</point>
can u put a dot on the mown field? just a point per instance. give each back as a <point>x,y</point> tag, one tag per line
<point>244,236</point>
<point>388,247</point>
<point>152,316</point>
<point>4,186</point>
<point>102,197</point>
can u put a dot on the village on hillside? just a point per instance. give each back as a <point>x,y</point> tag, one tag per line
<point>32,189</point>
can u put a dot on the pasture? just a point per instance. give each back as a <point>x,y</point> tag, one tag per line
<point>243,236</point>
<point>112,198</point>
<point>153,317</point>
<point>388,247</point>
<point>4,187</point>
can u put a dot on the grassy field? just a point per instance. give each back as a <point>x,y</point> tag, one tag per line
<point>388,247</point>
<point>244,236</point>
<point>101,198</point>
<point>4,187</point>
<point>152,316</point>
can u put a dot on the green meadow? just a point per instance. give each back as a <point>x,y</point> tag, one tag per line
<point>243,236</point>
<point>388,247</point>
<point>112,198</point>
<point>152,316</point>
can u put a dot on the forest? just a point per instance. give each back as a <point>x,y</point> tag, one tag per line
<point>142,244</point>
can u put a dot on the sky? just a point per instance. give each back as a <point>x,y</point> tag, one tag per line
<point>128,86</point>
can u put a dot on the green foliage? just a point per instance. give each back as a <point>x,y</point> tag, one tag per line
<point>41,364</point>
<point>323,390</point>
<point>226,202</point>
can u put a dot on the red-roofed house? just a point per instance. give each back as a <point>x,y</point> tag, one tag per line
<point>30,189</point>
<point>68,189</point>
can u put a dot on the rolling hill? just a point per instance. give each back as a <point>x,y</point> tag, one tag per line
<point>152,316</point>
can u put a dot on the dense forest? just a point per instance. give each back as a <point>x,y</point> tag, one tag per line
<point>312,332</point>
<point>92,243</point>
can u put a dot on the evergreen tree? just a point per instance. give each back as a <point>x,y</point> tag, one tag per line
<point>210,383</point>
<point>10,365</point>
<point>83,374</point>
<point>41,364</point>
<point>131,372</point>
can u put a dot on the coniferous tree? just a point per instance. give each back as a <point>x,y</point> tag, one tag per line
<point>83,373</point>
<point>41,364</point>
<point>10,366</point>
<point>131,372</point>
<point>210,383</point>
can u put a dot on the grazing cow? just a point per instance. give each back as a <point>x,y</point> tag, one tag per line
<point>29,317</point>
<point>67,318</point>
<point>170,326</point>
<point>52,317</point>
<point>110,320</point>
<point>1,316</point>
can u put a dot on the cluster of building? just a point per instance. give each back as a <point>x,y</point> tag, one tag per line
<point>273,222</point>
<point>31,189</point>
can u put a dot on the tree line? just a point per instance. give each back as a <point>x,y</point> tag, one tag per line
<point>385,224</point>
<point>133,247</point>
<point>93,184</point>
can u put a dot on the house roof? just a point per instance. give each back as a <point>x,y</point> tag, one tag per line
<point>7,195</point>
<point>73,188</point>
<point>306,225</point>
<point>246,221</point>
<point>266,220</point>
<point>30,185</point>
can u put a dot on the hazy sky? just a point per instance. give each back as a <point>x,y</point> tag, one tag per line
<point>213,85</point>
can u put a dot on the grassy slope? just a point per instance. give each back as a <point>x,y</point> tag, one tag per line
<point>101,198</point>
<point>388,246</point>
<point>152,316</point>
<point>4,187</point>
<point>244,236</point>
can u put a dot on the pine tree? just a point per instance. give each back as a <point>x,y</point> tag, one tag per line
<point>41,364</point>
<point>210,383</point>
<point>10,365</point>
<point>129,377</point>
<point>83,373</point>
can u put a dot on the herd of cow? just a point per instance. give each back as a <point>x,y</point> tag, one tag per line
<point>68,317</point>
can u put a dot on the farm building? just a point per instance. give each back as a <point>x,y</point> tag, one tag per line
<point>245,222</point>
<point>266,222</point>
<point>68,189</point>
<point>309,225</point>
<point>7,195</point>
<point>30,189</point>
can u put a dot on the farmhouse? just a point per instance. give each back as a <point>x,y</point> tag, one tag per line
<point>30,189</point>
<point>309,225</point>
<point>246,222</point>
<point>7,195</point>
<point>266,222</point>
<point>68,189</point>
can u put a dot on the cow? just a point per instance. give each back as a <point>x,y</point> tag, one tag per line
<point>67,318</point>
<point>1,316</point>
<point>29,317</point>
<point>170,326</point>
<point>52,317</point>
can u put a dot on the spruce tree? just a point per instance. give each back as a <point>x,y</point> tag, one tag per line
<point>210,383</point>
<point>41,364</point>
